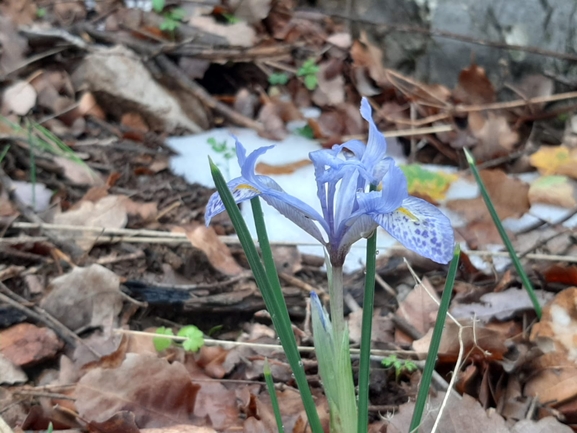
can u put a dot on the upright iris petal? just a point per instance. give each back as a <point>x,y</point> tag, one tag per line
<point>250,185</point>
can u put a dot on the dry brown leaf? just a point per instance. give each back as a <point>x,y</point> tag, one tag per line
<point>85,297</point>
<point>475,337</point>
<point>367,56</point>
<point>89,107</point>
<point>239,34</point>
<point>554,190</point>
<point>218,254</point>
<point>510,197</point>
<point>134,121</point>
<point>77,173</point>
<point>544,425</point>
<point>274,127</point>
<point>19,99</point>
<point>146,211</point>
<point>183,428</point>
<point>474,87</point>
<point>108,212</point>
<point>26,345</point>
<point>20,12</point>
<point>158,393</point>
<point>68,12</point>
<point>14,46</point>
<point>331,89</point>
<point>418,309</point>
<point>494,136</point>
<point>291,167</point>
<point>459,416</point>
<point>561,274</point>
<point>501,305</point>
<point>251,11</point>
<point>120,422</point>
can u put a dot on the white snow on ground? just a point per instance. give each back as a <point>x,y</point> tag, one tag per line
<point>192,162</point>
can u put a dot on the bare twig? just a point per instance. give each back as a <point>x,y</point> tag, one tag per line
<point>168,238</point>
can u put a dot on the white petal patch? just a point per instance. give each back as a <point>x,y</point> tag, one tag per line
<point>421,227</point>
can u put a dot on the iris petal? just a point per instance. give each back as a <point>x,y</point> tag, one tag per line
<point>421,227</point>
<point>376,144</point>
<point>241,189</point>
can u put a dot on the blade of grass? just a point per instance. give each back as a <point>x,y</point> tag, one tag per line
<point>496,220</point>
<point>272,297</point>
<point>4,152</point>
<point>272,393</point>
<point>366,331</point>
<point>435,342</point>
<point>264,243</point>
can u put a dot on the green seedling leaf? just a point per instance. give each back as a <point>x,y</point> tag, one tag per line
<point>194,338</point>
<point>311,82</point>
<point>176,14</point>
<point>308,68</point>
<point>427,183</point>
<point>4,152</point>
<point>278,79</point>
<point>161,343</point>
<point>158,5</point>
<point>169,25</point>
<point>306,132</point>
<point>230,18</point>
<point>214,330</point>
<point>41,12</point>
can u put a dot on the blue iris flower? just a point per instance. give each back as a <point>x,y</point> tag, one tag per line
<point>351,209</point>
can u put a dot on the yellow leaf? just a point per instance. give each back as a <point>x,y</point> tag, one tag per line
<point>555,160</point>
<point>427,184</point>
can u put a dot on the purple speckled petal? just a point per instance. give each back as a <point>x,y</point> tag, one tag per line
<point>421,227</point>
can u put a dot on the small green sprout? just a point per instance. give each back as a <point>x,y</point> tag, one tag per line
<point>41,12</point>
<point>309,71</point>
<point>230,18</point>
<point>194,339</point>
<point>158,5</point>
<point>400,365</point>
<point>222,148</point>
<point>161,343</point>
<point>172,17</point>
<point>306,132</point>
<point>278,79</point>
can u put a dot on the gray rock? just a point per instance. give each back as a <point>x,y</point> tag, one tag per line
<point>546,24</point>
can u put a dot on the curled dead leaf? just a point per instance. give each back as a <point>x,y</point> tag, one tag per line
<point>205,239</point>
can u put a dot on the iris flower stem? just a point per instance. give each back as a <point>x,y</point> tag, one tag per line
<point>344,418</point>
<point>337,301</point>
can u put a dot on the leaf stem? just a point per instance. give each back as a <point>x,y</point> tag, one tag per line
<point>497,221</point>
<point>435,343</point>
<point>367,325</point>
